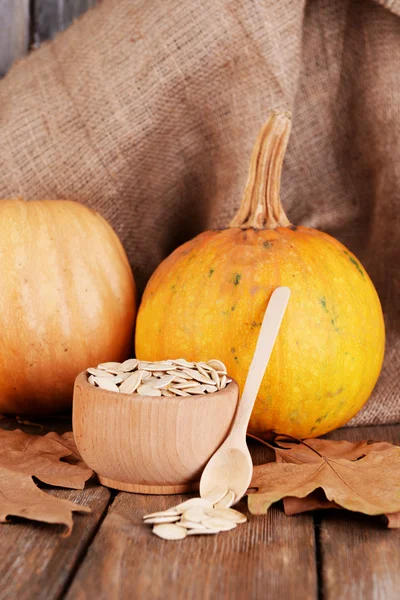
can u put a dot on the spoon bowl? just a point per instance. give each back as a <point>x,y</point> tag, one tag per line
<point>232,467</point>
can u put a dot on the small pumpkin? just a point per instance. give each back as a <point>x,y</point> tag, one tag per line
<point>209,296</point>
<point>67,300</point>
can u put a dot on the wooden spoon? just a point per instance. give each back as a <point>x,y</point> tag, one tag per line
<point>231,466</point>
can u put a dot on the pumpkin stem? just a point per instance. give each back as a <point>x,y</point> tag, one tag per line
<point>261,206</point>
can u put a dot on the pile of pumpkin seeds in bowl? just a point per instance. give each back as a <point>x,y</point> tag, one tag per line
<point>177,377</point>
<point>197,516</point>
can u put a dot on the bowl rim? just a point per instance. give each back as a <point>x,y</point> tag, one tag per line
<point>82,380</point>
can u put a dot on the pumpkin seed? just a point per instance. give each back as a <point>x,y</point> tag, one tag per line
<point>170,531</point>
<point>183,363</point>
<point>199,389</point>
<point>218,365</point>
<point>111,367</point>
<point>131,384</point>
<point>217,495</point>
<point>157,366</point>
<point>186,385</point>
<point>167,393</point>
<point>227,513</point>
<point>195,514</point>
<point>180,375</point>
<point>204,366</point>
<point>222,382</point>
<point>148,390</point>
<point>215,378</point>
<point>170,511</point>
<point>106,384</point>
<point>210,388</point>
<point>191,524</point>
<point>201,370</point>
<point>201,502</point>
<point>145,374</point>
<point>162,519</point>
<point>163,381</point>
<point>197,376</point>
<point>218,523</point>
<point>178,392</point>
<point>226,501</point>
<point>99,372</point>
<point>129,365</point>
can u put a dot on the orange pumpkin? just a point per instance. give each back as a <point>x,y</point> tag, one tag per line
<point>67,301</point>
<point>208,298</point>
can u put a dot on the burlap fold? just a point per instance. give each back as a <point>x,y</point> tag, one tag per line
<point>147,111</point>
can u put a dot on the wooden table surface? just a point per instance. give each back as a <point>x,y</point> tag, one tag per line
<point>110,554</point>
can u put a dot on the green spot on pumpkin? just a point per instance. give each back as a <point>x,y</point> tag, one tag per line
<point>333,321</point>
<point>320,419</point>
<point>211,271</point>
<point>236,359</point>
<point>233,350</point>
<point>322,302</point>
<point>267,244</point>
<point>355,263</point>
<point>255,324</point>
<point>233,307</point>
<point>237,278</point>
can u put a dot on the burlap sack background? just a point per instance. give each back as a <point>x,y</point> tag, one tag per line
<point>147,111</point>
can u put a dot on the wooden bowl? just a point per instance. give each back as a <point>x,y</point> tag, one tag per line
<point>146,444</point>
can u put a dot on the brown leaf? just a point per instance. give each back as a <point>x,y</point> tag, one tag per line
<point>362,477</point>
<point>53,459</point>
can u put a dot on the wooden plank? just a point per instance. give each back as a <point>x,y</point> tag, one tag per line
<point>272,556</point>
<point>360,558</point>
<point>52,16</point>
<point>14,31</point>
<point>36,561</point>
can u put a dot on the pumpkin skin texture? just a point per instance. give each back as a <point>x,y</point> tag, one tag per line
<point>67,301</point>
<point>208,298</point>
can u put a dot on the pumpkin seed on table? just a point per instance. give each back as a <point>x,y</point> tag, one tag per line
<point>218,523</point>
<point>197,516</point>
<point>170,531</point>
<point>168,378</point>
<point>162,519</point>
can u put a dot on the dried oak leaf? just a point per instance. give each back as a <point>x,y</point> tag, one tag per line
<point>361,476</point>
<point>53,459</point>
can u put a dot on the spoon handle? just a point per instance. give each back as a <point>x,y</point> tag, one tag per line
<point>268,333</point>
